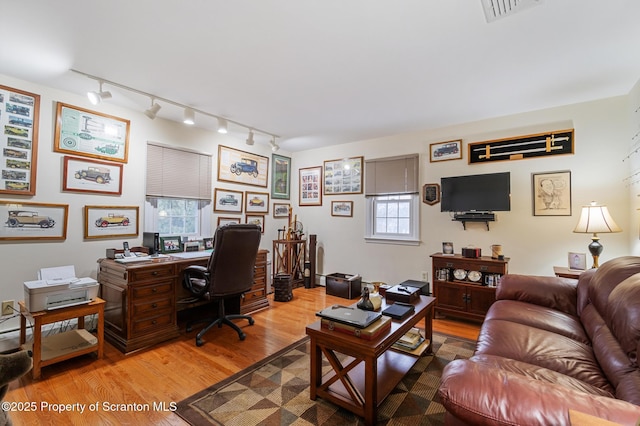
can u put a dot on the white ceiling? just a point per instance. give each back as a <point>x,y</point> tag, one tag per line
<point>323,72</point>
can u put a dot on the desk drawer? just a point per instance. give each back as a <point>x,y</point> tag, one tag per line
<point>253,295</point>
<point>144,325</point>
<point>144,274</point>
<point>139,293</point>
<point>154,306</point>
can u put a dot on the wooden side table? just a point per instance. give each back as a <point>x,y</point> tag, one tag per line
<point>564,272</point>
<point>80,340</point>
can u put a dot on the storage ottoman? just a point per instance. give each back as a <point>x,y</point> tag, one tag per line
<point>282,288</point>
<point>344,285</point>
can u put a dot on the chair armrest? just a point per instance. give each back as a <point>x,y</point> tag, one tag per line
<point>552,292</point>
<point>195,278</point>
<point>196,271</point>
<point>478,394</point>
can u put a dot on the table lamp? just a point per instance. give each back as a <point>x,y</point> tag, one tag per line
<point>595,219</point>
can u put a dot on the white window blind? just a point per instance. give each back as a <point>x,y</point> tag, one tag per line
<point>392,175</point>
<point>178,172</point>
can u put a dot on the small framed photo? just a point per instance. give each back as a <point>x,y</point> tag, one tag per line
<point>551,193</point>
<point>256,219</point>
<point>110,221</point>
<point>310,192</point>
<point>84,175</point>
<point>208,243</point>
<point>578,261</point>
<point>281,210</point>
<point>226,200</point>
<point>342,208</point>
<point>256,202</point>
<point>447,248</point>
<point>443,151</point>
<point>33,221</point>
<point>228,220</point>
<point>171,244</point>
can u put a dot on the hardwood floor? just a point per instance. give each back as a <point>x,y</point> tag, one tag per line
<point>122,389</point>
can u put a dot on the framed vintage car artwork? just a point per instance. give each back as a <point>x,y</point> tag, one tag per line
<point>256,202</point>
<point>227,221</point>
<point>344,176</point>
<point>256,219</point>
<point>86,175</point>
<point>281,210</point>
<point>111,221</point>
<point>443,151</point>
<point>243,167</point>
<point>227,200</point>
<point>342,208</point>
<point>19,121</point>
<point>33,221</point>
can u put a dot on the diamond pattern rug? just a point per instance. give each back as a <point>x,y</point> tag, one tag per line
<point>275,392</point>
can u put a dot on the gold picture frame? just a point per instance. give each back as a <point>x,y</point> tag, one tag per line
<point>111,221</point>
<point>33,221</point>
<point>242,167</point>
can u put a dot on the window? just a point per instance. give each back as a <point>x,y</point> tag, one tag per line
<point>393,201</point>
<point>178,216</point>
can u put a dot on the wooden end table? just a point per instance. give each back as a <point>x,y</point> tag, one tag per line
<point>48,317</point>
<point>371,371</point>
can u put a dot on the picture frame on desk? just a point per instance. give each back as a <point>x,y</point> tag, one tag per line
<point>577,261</point>
<point>171,244</point>
<point>447,248</point>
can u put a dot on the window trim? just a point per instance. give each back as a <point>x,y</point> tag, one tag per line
<point>412,239</point>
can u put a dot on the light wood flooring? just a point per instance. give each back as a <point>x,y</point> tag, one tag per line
<point>120,384</point>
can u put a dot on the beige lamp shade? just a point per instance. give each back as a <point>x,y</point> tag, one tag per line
<point>596,219</point>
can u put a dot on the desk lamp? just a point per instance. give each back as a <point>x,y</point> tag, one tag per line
<point>596,219</point>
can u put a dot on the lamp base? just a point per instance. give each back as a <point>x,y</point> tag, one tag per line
<point>595,248</point>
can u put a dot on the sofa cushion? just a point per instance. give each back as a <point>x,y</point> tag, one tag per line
<point>623,316</point>
<point>542,348</point>
<point>552,292</point>
<point>540,317</point>
<point>608,277</point>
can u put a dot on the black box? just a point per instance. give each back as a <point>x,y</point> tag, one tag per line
<point>422,285</point>
<point>344,285</point>
<point>403,294</point>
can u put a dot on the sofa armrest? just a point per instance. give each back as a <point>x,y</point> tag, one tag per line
<point>552,292</point>
<point>480,395</point>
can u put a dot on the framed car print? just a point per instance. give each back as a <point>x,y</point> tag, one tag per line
<point>227,200</point>
<point>227,221</point>
<point>443,151</point>
<point>111,221</point>
<point>256,219</point>
<point>256,202</point>
<point>242,167</point>
<point>281,210</point>
<point>19,121</point>
<point>33,221</point>
<point>342,208</point>
<point>343,176</point>
<point>85,175</point>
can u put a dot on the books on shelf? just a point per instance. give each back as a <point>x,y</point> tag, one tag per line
<point>412,342</point>
<point>368,333</point>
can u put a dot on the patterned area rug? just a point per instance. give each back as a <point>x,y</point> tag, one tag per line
<point>275,391</point>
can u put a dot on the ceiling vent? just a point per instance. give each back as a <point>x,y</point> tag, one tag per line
<point>496,9</point>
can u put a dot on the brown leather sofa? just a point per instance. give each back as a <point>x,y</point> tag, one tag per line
<point>549,345</point>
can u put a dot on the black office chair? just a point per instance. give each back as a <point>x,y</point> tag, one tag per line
<point>228,274</point>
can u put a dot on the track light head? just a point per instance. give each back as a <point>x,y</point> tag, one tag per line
<point>274,145</point>
<point>189,116</point>
<point>222,125</point>
<point>96,97</point>
<point>250,140</point>
<point>153,110</point>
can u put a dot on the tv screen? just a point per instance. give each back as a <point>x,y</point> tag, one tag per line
<point>488,192</point>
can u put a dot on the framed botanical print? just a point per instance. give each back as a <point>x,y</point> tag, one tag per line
<point>33,221</point>
<point>551,193</point>
<point>280,177</point>
<point>227,200</point>
<point>310,191</point>
<point>343,176</point>
<point>85,175</point>
<point>88,133</point>
<point>242,167</point>
<point>19,121</point>
<point>111,221</point>
<point>256,202</point>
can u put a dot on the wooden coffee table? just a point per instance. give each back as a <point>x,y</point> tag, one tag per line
<point>370,371</point>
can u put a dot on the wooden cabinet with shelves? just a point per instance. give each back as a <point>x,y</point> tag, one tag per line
<point>460,284</point>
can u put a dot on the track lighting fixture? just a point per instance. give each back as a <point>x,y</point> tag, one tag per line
<point>96,97</point>
<point>153,109</point>
<point>222,126</point>
<point>189,112</point>
<point>189,116</point>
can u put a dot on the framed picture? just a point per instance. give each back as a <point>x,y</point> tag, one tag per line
<point>551,193</point>
<point>310,191</point>
<point>228,220</point>
<point>280,177</point>
<point>256,202</point>
<point>281,210</point>
<point>443,151</point>
<point>19,121</point>
<point>242,167</point>
<point>91,134</point>
<point>431,193</point>
<point>256,219</point>
<point>447,248</point>
<point>578,261</point>
<point>208,243</point>
<point>342,208</point>
<point>227,200</point>
<point>83,175</point>
<point>110,221</point>
<point>33,221</point>
<point>171,244</point>
<point>343,176</point>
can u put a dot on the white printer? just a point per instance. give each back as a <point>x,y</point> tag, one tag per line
<point>58,288</point>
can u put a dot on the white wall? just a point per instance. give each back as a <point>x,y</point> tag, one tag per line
<point>535,244</point>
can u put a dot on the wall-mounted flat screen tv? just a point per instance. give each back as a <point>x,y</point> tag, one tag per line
<point>482,193</point>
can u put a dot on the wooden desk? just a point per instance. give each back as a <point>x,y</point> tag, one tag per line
<point>565,272</point>
<point>372,371</point>
<point>42,358</point>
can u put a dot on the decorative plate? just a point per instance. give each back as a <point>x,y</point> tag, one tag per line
<point>474,276</point>
<point>460,274</point>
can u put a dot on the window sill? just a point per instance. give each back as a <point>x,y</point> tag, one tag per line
<point>403,242</point>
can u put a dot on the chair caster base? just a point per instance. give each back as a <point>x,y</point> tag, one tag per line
<point>251,321</point>
<point>199,342</point>
<point>243,336</point>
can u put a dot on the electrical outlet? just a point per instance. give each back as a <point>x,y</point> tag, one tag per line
<point>425,276</point>
<point>7,307</point>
